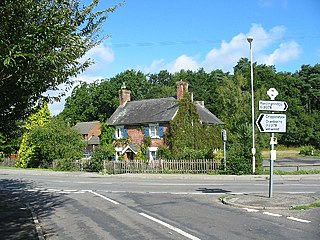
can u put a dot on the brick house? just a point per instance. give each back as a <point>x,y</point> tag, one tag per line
<point>136,120</point>
<point>91,133</point>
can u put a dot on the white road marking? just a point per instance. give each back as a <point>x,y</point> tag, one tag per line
<point>70,190</point>
<point>251,210</point>
<point>173,193</point>
<point>104,197</point>
<point>299,220</point>
<point>170,227</point>
<point>272,214</point>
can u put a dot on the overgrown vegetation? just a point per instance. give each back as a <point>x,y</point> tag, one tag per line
<point>188,138</point>
<point>47,139</point>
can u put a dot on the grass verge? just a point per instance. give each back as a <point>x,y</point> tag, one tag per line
<point>307,207</point>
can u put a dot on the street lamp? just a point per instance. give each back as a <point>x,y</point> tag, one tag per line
<point>253,150</point>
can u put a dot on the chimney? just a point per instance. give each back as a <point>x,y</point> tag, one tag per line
<point>124,95</point>
<point>182,89</point>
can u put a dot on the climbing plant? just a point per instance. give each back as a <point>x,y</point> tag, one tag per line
<point>188,136</point>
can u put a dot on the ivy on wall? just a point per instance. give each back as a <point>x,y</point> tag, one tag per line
<point>188,137</point>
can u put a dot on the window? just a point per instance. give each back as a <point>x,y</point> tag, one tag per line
<point>154,131</point>
<point>118,153</point>
<point>153,153</point>
<point>121,132</point>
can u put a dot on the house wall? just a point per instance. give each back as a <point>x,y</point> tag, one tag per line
<point>136,134</point>
<point>95,131</point>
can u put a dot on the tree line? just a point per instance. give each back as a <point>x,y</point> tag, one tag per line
<point>226,95</point>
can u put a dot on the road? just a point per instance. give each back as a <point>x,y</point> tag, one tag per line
<point>91,206</point>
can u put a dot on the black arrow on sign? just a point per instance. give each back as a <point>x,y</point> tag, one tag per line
<point>258,122</point>
<point>285,106</point>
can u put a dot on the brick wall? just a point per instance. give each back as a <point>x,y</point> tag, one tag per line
<point>95,131</point>
<point>136,135</point>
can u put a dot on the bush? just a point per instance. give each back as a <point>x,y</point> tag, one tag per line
<point>64,165</point>
<point>309,151</point>
<point>96,162</point>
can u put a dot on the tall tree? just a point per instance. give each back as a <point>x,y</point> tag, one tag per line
<point>41,44</point>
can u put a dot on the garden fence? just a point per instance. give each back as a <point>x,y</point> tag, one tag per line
<point>162,166</point>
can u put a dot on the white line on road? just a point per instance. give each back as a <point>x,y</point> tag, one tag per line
<point>104,197</point>
<point>251,210</point>
<point>170,227</point>
<point>272,214</point>
<point>299,220</point>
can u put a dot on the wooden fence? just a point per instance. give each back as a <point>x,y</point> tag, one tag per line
<point>162,166</point>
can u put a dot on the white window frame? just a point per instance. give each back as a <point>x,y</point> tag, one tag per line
<point>118,152</point>
<point>154,130</point>
<point>119,132</point>
<point>152,151</point>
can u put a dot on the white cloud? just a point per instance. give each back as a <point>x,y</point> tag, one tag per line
<point>101,54</point>
<point>57,107</point>
<point>286,52</point>
<point>184,62</point>
<point>155,66</point>
<point>227,55</point>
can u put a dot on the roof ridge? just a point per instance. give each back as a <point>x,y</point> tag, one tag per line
<point>150,99</point>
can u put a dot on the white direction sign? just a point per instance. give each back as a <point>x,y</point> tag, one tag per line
<point>272,123</point>
<point>277,106</point>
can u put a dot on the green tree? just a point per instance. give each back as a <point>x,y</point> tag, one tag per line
<point>235,96</point>
<point>41,44</point>
<point>28,151</point>
<point>105,151</point>
<point>56,141</point>
<point>98,100</point>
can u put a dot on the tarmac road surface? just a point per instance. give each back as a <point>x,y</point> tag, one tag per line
<point>91,206</point>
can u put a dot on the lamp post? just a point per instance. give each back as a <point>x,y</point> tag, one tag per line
<point>253,150</point>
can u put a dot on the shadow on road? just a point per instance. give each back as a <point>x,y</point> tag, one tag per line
<point>18,199</point>
<point>212,190</point>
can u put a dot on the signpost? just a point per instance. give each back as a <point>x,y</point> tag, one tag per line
<point>276,106</point>
<point>272,123</point>
<point>224,139</point>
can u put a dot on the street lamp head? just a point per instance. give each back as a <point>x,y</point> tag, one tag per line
<point>250,39</point>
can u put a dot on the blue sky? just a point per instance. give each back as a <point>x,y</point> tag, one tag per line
<point>152,35</point>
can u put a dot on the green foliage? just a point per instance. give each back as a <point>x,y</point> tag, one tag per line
<point>42,42</point>
<point>147,141</point>
<point>46,140</point>
<point>28,152</point>
<point>188,137</point>
<point>307,207</point>
<point>95,164</point>
<point>104,152</point>
<point>142,154</point>
<point>226,95</point>
<point>309,151</point>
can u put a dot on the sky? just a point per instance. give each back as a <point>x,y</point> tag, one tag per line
<point>154,35</point>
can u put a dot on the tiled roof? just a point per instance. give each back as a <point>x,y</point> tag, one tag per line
<point>94,140</point>
<point>206,116</point>
<point>85,127</point>
<point>155,111</point>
